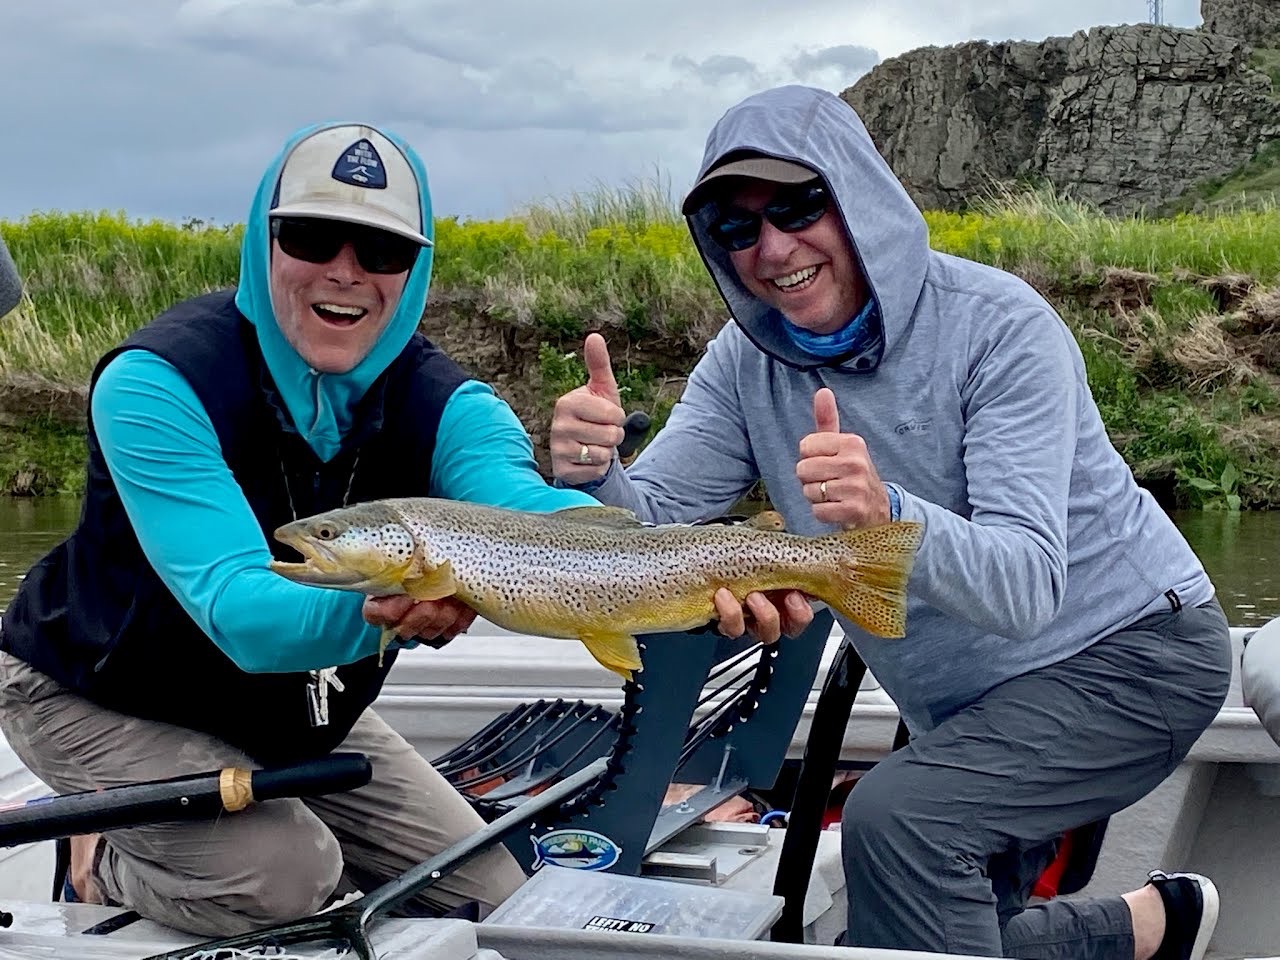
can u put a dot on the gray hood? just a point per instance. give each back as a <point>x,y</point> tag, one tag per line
<point>890,239</point>
<point>10,284</point>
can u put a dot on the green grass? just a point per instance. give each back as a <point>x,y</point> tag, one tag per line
<point>1066,240</point>
<point>634,207</point>
<point>91,279</point>
<point>1167,362</point>
<point>1266,60</point>
<point>1255,185</point>
<point>43,452</point>
<point>1178,304</point>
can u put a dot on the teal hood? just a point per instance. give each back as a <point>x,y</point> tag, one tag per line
<point>321,404</point>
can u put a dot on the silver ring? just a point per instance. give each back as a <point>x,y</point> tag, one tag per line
<point>584,455</point>
<point>822,489</point>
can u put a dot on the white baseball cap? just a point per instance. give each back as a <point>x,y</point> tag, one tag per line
<point>355,174</point>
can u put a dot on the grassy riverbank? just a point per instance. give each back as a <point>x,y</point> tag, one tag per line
<point>1178,319</point>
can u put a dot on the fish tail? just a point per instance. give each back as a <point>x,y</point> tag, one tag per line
<point>869,584</point>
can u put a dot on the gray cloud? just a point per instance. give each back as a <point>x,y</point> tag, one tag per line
<point>173,109</point>
<point>846,60</point>
<point>718,68</point>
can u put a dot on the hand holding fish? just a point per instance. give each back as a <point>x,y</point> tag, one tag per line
<point>836,471</point>
<point>766,616</point>
<point>434,622</point>
<point>586,427</point>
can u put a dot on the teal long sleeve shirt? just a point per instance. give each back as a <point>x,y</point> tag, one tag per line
<point>197,531</point>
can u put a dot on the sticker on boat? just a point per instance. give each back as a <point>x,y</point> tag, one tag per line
<point>577,849</point>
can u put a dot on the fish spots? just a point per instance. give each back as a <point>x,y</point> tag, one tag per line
<point>396,541</point>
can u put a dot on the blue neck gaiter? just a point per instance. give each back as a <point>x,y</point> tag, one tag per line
<point>854,337</point>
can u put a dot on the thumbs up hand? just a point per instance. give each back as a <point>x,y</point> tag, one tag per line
<point>836,472</point>
<point>586,426</point>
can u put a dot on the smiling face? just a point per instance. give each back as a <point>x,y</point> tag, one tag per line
<point>332,313</point>
<point>811,275</point>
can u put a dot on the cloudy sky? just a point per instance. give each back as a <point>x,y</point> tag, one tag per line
<point>172,108</point>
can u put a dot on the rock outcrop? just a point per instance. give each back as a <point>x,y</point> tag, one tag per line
<point>1253,21</point>
<point>1122,117</point>
<point>951,119</point>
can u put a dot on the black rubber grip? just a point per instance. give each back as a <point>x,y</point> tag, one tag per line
<point>197,797</point>
<point>634,429</point>
<point>332,774</point>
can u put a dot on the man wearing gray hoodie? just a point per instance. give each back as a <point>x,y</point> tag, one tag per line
<point>10,285</point>
<point>1064,648</point>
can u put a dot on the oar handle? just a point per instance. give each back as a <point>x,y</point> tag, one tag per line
<point>197,797</point>
<point>634,430</point>
<point>336,773</point>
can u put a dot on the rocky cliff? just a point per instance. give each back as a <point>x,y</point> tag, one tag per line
<point>1123,117</point>
<point>1254,21</point>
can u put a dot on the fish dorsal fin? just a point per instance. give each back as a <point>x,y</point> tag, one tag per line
<point>767,520</point>
<point>600,516</point>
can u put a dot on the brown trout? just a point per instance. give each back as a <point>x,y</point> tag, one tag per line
<point>596,574</point>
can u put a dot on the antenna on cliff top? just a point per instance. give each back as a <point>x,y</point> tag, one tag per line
<point>1155,11</point>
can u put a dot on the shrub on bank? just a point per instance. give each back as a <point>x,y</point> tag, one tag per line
<point>1178,319</point>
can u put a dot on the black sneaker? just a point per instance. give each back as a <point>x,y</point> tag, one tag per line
<point>1190,914</point>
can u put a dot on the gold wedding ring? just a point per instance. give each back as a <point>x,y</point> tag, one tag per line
<point>822,489</point>
<point>584,455</point>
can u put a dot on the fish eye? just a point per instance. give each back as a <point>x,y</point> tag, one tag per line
<point>326,531</point>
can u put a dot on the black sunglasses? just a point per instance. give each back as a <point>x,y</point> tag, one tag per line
<point>319,241</point>
<point>791,209</point>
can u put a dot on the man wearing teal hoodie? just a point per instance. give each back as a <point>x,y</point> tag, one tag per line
<point>155,642</point>
<point>1063,648</point>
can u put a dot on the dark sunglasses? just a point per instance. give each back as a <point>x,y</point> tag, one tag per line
<point>791,209</point>
<point>319,241</point>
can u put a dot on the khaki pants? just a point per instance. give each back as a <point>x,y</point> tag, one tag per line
<point>275,861</point>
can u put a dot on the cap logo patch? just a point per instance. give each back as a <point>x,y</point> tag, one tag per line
<point>360,166</point>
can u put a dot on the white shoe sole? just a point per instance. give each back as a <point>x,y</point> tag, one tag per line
<point>1208,918</point>
<point>1209,901</point>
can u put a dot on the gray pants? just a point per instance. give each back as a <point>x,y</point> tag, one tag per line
<point>275,861</point>
<point>944,839</point>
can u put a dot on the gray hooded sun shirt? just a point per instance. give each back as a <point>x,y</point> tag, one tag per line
<point>1037,540</point>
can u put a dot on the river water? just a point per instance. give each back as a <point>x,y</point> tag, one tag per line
<point>1241,551</point>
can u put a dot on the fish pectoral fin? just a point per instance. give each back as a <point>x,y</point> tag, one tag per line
<point>614,651</point>
<point>384,641</point>
<point>600,516</point>
<point>766,520</point>
<point>432,584</point>
<point>389,581</point>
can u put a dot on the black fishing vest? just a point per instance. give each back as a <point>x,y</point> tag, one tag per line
<point>93,614</point>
